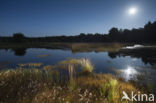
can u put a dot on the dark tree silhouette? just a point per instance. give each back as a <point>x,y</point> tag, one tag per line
<point>140,35</point>
<point>113,32</point>
<point>18,37</point>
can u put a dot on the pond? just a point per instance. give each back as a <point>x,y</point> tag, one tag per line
<point>130,64</point>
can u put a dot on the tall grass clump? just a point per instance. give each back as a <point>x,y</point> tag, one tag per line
<point>86,65</point>
<point>72,64</point>
<point>113,94</point>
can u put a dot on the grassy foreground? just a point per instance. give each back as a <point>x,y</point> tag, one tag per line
<point>47,85</point>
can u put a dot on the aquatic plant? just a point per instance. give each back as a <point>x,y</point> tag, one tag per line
<point>46,67</point>
<point>30,65</point>
<point>43,55</point>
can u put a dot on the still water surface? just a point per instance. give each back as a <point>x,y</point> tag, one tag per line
<point>130,63</point>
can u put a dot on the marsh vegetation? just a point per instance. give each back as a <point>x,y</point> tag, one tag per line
<point>38,85</point>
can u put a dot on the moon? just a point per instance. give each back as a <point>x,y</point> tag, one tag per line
<point>132,11</point>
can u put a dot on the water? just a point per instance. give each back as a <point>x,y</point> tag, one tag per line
<point>130,63</point>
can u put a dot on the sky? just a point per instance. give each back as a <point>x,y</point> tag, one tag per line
<point>72,17</point>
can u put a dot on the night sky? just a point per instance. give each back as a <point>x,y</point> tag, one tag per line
<point>71,17</point>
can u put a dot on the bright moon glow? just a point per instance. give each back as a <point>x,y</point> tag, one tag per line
<point>132,11</point>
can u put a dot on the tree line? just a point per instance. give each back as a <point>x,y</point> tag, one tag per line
<point>141,35</point>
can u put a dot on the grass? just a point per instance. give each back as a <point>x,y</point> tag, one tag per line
<point>74,47</point>
<point>30,65</point>
<point>97,47</point>
<point>36,86</point>
<point>47,85</point>
<point>85,64</point>
<point>43,55</point>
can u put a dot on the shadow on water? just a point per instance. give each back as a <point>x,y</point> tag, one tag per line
<point>147,55</point>
<point>19,51</point>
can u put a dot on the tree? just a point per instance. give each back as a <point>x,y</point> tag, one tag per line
<point>18,37</point>
<point>113,33</point>
<point>82,34</point>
